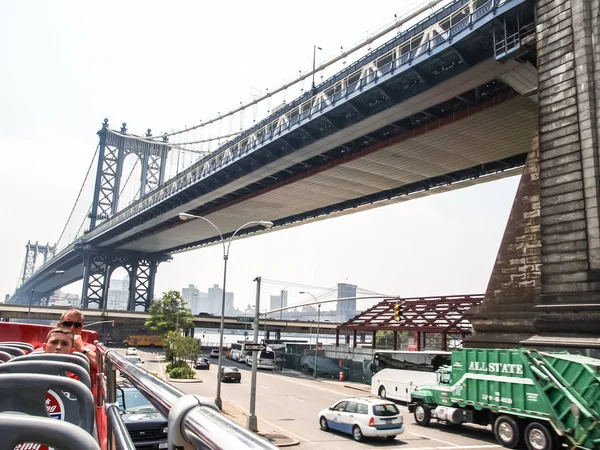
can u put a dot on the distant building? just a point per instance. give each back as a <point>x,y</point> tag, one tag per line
<point>347,309</point>
<point>118,295</point>
<point>190,295</point>
<point>279,301</point>
<point>60,298</point>
<point>215,298</point>
<point>275,301</point>
<point>195,299</point>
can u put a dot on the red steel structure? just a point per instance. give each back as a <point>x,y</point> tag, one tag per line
<point>440,315</point>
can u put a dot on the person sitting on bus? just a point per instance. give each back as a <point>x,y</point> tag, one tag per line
<point>73,320</point>
<point>59,340</point>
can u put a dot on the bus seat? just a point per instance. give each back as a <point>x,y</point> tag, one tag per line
<point>27,394</point>
<point>12,350</point>
<point>38,365</point>
<point>22,345</point>
<point>16,429</point>
<point>70,358</point>
<point>5,356</point>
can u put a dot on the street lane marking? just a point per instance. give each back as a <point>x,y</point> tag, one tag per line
<point>459,447</point>
<point>434,439</point>
<point>276,427</point>
<point>265,387</point>
<point>329,398</point>
<point>312,386</point>
<point>294,398</point>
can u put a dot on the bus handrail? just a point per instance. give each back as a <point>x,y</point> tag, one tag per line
<point>193,421</point>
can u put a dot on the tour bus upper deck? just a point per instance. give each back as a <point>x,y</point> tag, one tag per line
<point>202,425</point>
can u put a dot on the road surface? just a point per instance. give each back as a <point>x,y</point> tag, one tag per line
<point>290,405</point>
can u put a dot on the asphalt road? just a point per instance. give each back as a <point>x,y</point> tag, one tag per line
<point>290,405</point>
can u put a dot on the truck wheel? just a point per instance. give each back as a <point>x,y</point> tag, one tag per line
<point>126,345</point>
<point>382,392</point>
<point>539,437</point>
<point>422,414</point>
<point>507,431</point>
<point>151,346</point>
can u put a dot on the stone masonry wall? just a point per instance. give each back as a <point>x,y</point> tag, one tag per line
<point>506,315</point>
<point>569,77</point>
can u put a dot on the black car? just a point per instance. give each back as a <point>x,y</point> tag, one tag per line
<point>202,364</point>
<point>146,426</point>
<point>231,374</point>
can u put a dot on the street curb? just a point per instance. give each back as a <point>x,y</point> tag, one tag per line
<point>180,380</point>
<point>356,388</point>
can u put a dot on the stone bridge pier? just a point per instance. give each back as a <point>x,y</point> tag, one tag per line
<point>544,290</point>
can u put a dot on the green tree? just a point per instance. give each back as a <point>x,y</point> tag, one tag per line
<point>385,339</point>
<point>169,314</point>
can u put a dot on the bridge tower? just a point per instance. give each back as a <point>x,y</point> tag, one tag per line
<point>99,263</point>
<point>32,253</point>
<point>545,286</point>
<point>98,266</point>
<point>113,149</point>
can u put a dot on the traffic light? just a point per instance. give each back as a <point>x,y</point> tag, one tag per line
<point>397,312</point>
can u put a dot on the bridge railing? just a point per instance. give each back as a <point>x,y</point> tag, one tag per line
<point>193,421</point>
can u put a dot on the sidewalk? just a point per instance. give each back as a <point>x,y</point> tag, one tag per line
<point>275,437</point>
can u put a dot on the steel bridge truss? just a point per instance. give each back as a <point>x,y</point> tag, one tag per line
<point>444,315</point>
<point>98,266</point>
<point>114,148</point>
<point>419,59</point>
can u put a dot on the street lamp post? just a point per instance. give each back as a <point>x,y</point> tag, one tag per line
<point>318,322</point>
<point>315,48</point>
<point>264,223</point>
<point>56,272</point>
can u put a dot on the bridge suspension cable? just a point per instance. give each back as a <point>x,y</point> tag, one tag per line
<point>397,22</point>
<point>78,195</point>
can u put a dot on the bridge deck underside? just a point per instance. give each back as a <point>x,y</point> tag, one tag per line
<point>494,134</point>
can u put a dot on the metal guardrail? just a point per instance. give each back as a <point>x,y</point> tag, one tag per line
<point>193,422</point>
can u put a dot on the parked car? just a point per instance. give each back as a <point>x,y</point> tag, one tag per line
<point>231,374</point>
<point>362,417</point>
<point>131,351</point>
<point>214,353</point>
<point>202,364</point>
<point>146,426</point>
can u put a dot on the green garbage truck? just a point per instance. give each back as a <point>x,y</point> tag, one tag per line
<point>541,399</point>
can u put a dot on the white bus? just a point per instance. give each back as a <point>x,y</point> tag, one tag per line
<point>397,373</point>
<point>266,358</point>
<point>237,352</point>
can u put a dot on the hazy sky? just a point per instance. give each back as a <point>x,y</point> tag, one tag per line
<point>163,65</point>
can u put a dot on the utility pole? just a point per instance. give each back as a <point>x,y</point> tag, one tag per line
<point>317,343</point>
<point>252,422</point>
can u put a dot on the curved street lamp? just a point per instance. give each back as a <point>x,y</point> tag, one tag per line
<point>264,223</point>
<point>318,321</point>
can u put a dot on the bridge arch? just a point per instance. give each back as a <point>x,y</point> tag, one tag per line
<point>119,288</point>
